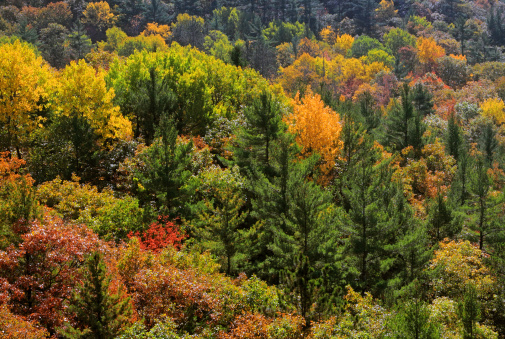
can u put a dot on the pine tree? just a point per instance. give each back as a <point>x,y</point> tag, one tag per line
<point>479,187</point>
<point>375,218</point>
<point>469,312</point>
<point>413,321</point>
<point>397,123</point>
<point>454,138</point>
<point>440,218</point>
<point>165,167</point>
<point>423,100</point>
<point>79,42</point>
<point>99,314</point>
<point>263,125</point>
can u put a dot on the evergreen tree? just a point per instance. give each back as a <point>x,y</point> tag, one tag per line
<point>99,314</point>
<point>454,139</point>
<point>78,42</point>
<point>263,125</point>
<point>488,143</point>
<point>469,312</point>
<point>413,321</point>
<point>440,218</point>
<point>363,13</point>
<point>479,187</point>
<point>156,11</point>
<point>165,167</point>
<point>375,219</point>
<point>495,26</point>
<point>423,100</point>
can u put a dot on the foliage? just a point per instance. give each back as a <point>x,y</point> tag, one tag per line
<point>38,276</point>
<point>18,205</point>
<point>15,327</point>
<point>25,80</point>
<point>110,217</point>
<point>159,235</point>
<point>99,313</point>
<point>317,129</point>
<point>456,264</point>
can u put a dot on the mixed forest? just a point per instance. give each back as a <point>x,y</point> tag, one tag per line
<point>252,169</point>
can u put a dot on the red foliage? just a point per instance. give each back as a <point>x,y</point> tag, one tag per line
<point>159,235</point>
<point>40,274</point>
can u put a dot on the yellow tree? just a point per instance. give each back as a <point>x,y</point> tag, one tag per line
<point>428,50</point>
<point>82,94</point>
<point>317,129</point>
<point>494,108</point>
<point>24,78</point>
<point>98,17</point>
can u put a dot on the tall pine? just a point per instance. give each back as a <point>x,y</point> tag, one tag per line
<point>99,314</point>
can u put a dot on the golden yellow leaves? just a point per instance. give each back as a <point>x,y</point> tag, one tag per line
<point>494,108</point>
<point>155,29</point>
<point>428,50</point>
<point>317,129</point>
<point>24,83</point>
<point>99,14</point>
<point>82,93</point>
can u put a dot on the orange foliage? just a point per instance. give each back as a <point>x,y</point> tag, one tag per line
<point>257,326</point>
<point>317,129</point>
<point>428,50</point>
<point>16,327</point>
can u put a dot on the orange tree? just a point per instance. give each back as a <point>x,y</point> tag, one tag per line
<point>317,129</point>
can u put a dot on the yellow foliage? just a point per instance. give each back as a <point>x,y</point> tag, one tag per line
<point>99,14</point>
<point>24,83</point>
<point>456,264</point>
<point>328,35</point>
<point>428,50</point>
<point>317,128</point>
<point>82,93</point>
<point>494,108</point>
<point>386,10</point>
<point>344,43</point>
<point>155,29</point>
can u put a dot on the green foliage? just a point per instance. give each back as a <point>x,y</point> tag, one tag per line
<point>363,44</point>
<point>99,314</point>
<point>220,214</point>
<point>469,311</point>
<point>279,32</point>
<point>262,128</point>
<point>413,320</point>
<point>110,217</point>
<point>375,218</point>
<point>202,87</point>
<point>397,38</point>
<point>163,169</point>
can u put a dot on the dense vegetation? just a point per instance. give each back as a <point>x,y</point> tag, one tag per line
<point>252,169</point>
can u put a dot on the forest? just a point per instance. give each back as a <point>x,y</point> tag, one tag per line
<point>252,169</point>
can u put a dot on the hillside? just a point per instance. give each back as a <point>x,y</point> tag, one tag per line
<point>252,169</point>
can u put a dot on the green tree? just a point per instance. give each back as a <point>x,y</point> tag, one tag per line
<point>53,44</point>
<point>165,168</point>
<point>99,314</point>
<point>413,321</point>
<point>375,218</point>
<point>423,100</point>
<point>78,42</point>
<point>454,138</point>
<point>263,126</point>
<point>222,215</point>
<point>469,312</point>
<point>404,126</point>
